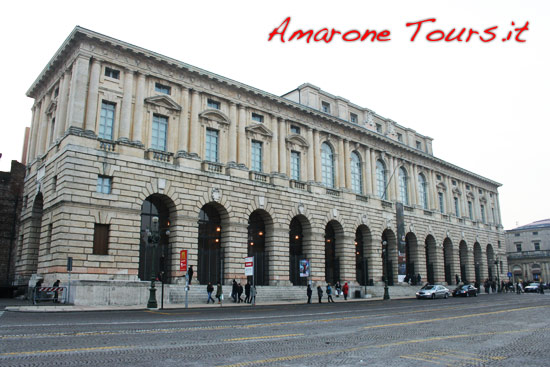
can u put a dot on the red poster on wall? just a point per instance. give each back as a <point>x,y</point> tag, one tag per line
<point>183,260</point>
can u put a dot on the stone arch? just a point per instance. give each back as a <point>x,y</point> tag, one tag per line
<point>389,256</point>
<point>491,273</point>
<point>464,260</point>
<point>448,261</point>
<point>432,260</point>
<point>413,258</point>
<point>478,263</point>
<point>158,212</point>
<point>260,243</point>
<point>334,250</point>
<point>365,258</point>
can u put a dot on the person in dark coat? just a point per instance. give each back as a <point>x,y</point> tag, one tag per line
<point>56,294</point>
<point>190,272</point>
<point>219,292</point>
<point>418,279</point>
<point>457,278</point>
<point>234,290</point>
<point>247,292</point>
<point>209,290</point>
<point>239,293</point>
<point>320,292</point>
<point>309,293</point>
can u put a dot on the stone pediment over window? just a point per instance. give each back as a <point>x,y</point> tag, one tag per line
<point>297,140</point>
<point>259,129</point>
<point>215,115</point>
<point>163,101</point>
<point>441,186</point>
<point>483,200</point>
<point>470,196</point>
<point>457,191</point>
<point>51,107</point>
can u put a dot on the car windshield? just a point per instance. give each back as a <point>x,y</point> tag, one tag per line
<point>533,284</point>
<point>428,287</point>
<point>465,287</point>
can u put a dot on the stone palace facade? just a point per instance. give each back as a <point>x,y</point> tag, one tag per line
<point>134,157</point>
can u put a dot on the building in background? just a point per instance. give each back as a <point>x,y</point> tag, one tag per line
<point>11,195</point>
<point>134,157</point>
<point>528,251</point>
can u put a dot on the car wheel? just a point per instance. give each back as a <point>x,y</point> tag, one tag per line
<point>446,295</point>
<point>475,294</point>
<point>433,296</point>
<point>467,294</point>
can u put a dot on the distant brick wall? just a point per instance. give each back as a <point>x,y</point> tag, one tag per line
<point>11,198</point>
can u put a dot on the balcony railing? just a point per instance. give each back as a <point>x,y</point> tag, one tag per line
<point>362,198</point>
<point>298,185</point>
<point>107,145</point>
<point>258,176</point>
<point>212,167</point>
<point>332,192</point>
<point>527,254</point>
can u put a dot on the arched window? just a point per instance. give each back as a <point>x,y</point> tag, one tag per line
<point>327,165</point>
<point>423,191</point>
<point>403,190</point>
<point>381,179</point>
<point>356,174</point>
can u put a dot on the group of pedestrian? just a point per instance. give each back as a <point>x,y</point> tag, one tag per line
<point>338,289</point>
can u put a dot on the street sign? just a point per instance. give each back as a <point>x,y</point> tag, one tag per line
<point>183,260</point>
<point>249,266</point>
<point>509,274</point>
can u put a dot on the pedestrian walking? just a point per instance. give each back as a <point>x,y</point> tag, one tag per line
<point>493,286</point>
<point>234,288</point>
<point>345,291</point>
<point>309,293</point>
<point>418,279</point>
<point>320,293</point>
<point>329,293</point>
<point>541,288</point>
<point>190,273</point>
<point>338,289</point>
<point>209,290</point>
<point>219,292</point>
<point>457,278</point>
<point>56,294</point>
<point>239,293</point>
<point>247,292</point>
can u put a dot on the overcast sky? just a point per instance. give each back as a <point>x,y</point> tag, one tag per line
<point>485,104</point>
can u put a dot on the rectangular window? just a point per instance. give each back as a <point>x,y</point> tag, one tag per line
<point>516,234</point>
<point>101,239</point>
<point>295,165</point>
<point>400,137</point>
<point>470,210</point>
<point>106,120</point>
<point>537,246</point>
<point>353,118</point>
<point>160,127</point>
<point>56,92</point>
<point>493,215</point>
<point>535,233</point>
<point>457,211</point>
<point>112,73</point>
<point>54,184</point>
<point>379,128</point>
<point>441,207</point>
<point>325,107</point>
<point>438,177</point>
<point>294,129</point>
<point>418,145</point>
<point>257,118</point>
<point>212,138</point>
<point>104,184</point>
<point>482,214</point>
<point>161,88</point>
<point>257,156</point>
<point>480,192</point>
<point>518,247</point>
<point>467,187</point>
<point>454,182</point>
<point>213,104</point>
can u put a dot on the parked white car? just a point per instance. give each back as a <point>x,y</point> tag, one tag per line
<point>433,291</point>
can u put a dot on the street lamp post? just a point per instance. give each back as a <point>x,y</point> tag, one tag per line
<point>385,263</point>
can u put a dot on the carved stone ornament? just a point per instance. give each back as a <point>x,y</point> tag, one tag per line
<point>334,212</point>
<point>364,219</point>
<point>430,229</point>
<point>463,235</point>
<point>161,184</point>
<point>301,208</point>
<point>411,228</point>
<point>370,118</point>
<point>448,233</point>
<point>477,238</point>
<point>261,201</point>
<point>216,194</point>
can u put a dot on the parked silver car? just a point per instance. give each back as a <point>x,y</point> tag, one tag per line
<point>433,291</point>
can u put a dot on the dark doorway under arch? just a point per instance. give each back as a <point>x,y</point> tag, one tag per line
<point>154,249</point>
